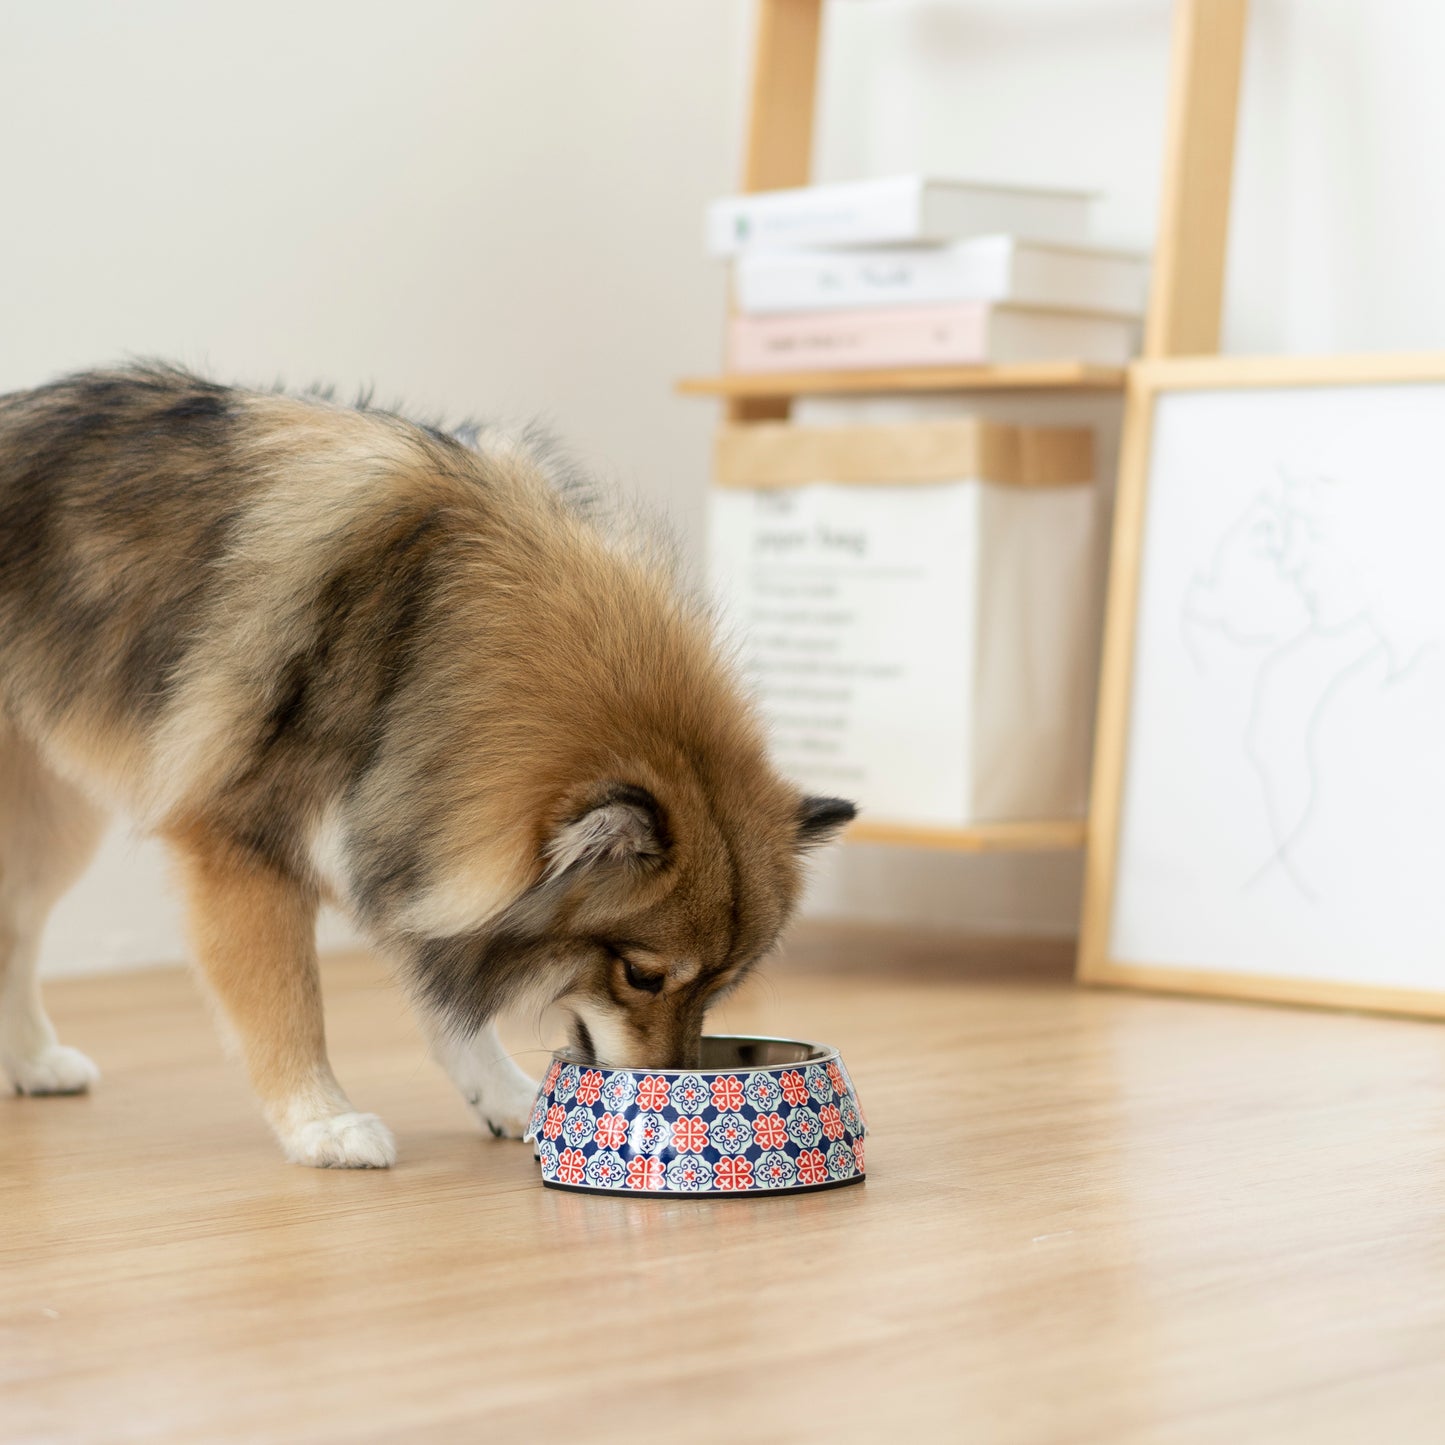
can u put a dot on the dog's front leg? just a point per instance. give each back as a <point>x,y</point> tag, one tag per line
<point>253,931</point>
<point>498,1091</point>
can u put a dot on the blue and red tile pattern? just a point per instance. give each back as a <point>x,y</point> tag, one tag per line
<point>748,1130</point>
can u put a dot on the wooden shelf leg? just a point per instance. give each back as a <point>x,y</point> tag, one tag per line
<point>780,127</point>
<point>1188,284</point>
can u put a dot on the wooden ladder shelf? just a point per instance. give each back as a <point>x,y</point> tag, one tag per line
<point>1185,296</point>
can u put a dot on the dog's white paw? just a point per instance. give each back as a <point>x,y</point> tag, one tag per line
<point>342,1141</point>
<point>505,1108</point>
<point>54,1070</point>
<point>500,1094</point>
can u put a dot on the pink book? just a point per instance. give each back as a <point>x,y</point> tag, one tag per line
<point>960,334</point>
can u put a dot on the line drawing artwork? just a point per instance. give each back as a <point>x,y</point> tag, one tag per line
<point>1290,583</point>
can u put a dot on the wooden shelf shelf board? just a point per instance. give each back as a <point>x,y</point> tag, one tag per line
<point>1026,376</point>
<point>1045,836</point>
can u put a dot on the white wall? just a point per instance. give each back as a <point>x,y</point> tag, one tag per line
<point>491,208</point>
<point>494,207</point>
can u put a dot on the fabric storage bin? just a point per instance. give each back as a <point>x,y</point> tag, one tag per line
<point>915,608</point>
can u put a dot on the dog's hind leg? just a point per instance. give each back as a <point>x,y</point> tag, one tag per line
<point>254,934</point>
<point>48,833</point>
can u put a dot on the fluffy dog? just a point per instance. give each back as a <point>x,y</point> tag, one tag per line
<point>324,652</point>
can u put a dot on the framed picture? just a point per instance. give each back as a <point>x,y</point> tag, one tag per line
<point>1268,807</point>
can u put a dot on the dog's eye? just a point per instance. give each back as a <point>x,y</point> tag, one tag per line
<point>647,982</point>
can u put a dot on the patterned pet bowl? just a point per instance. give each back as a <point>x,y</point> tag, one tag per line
<point>760,1116</point>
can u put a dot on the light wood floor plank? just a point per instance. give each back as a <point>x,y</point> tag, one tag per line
<point>1089,1217</point>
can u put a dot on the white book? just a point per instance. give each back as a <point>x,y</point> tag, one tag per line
<point>987,268</point>
<point>896,210</point>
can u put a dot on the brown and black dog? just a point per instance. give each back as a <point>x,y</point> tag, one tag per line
<point>324,652</point>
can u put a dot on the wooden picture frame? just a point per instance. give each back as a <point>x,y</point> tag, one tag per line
<point>1127,887</point>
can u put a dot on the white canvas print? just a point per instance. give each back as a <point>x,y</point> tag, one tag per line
<point>1284,784</point>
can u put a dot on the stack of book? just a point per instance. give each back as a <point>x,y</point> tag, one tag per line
<point>909,271</point>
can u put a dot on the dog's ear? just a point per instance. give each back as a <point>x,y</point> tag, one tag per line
<point>612,835</point>
<point>620,825</point>
<point>820,820</point>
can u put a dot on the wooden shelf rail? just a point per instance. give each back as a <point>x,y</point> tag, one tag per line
<point>1022,376</point>
<point>1062,836</point>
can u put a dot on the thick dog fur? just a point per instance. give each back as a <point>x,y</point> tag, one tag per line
<point>325,652</point>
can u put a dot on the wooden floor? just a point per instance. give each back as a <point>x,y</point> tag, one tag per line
<point>1089,1217</point>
